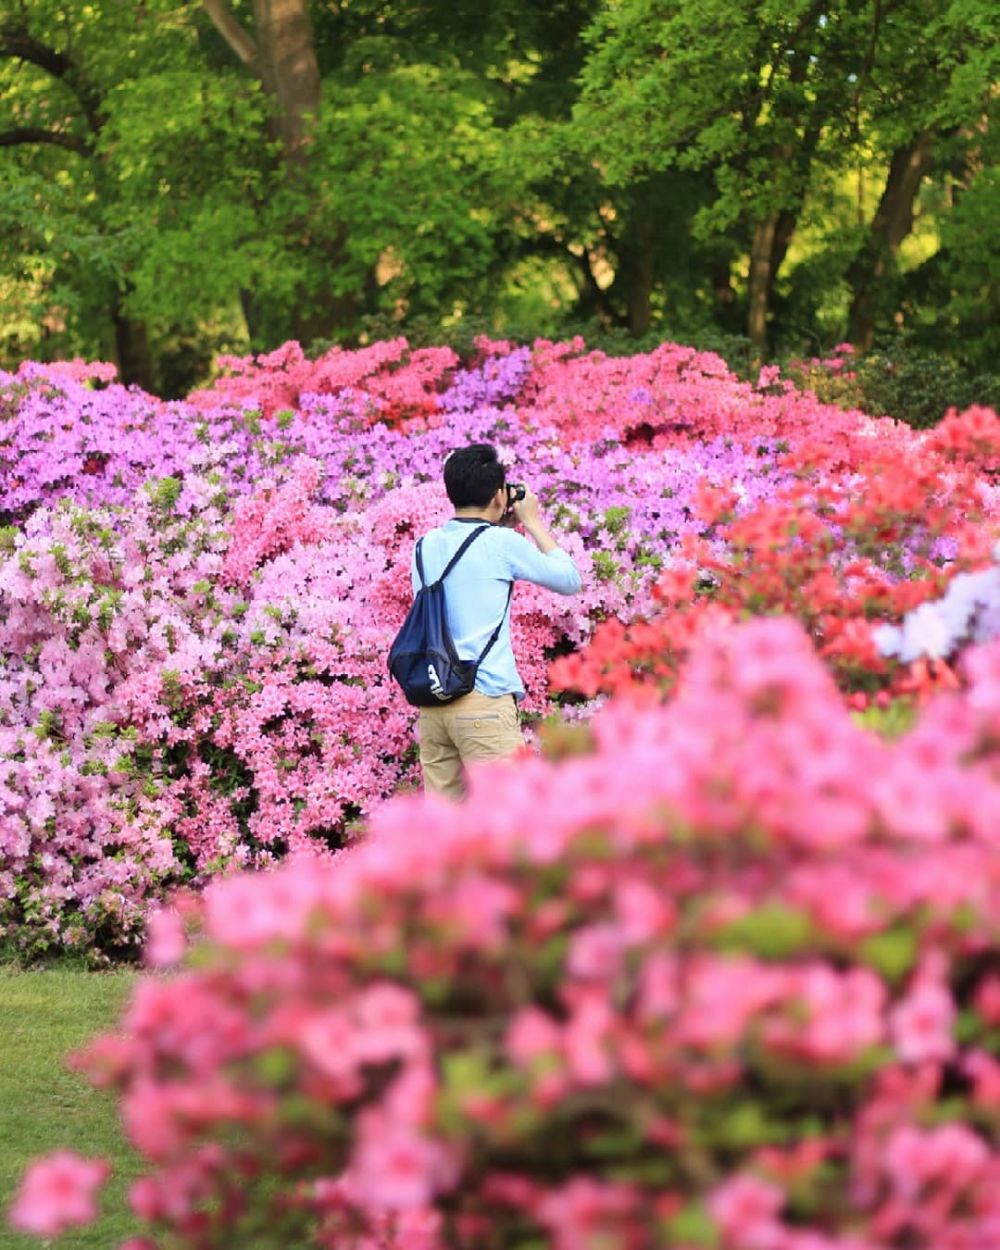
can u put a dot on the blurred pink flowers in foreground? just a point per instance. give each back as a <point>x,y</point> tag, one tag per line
<point>57,1193</point>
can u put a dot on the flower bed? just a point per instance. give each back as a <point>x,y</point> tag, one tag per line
<point>723,975</point>
<point>196,599</point>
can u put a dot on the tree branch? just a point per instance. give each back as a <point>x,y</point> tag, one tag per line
<point>866,68</point>
<point>35,134</point>
<point>17,42</point>
<point>232,32</point>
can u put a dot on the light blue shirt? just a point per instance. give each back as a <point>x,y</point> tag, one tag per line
<point>476,591</point>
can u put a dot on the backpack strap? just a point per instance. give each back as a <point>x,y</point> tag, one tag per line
<point>496,633</point>
<point>466,544</point>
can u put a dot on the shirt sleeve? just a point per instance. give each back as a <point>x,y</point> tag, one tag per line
<point>554,570</point>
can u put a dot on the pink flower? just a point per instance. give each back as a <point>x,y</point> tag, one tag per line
<point>328,1039</point>
<point>659,986</point>
<point>644,913</point>
<point>396,1168</point>
<point>166,939</point>
<point>388,1019</point>
<point>951,1155</point>
<point>984,1071</point>
<point>596,952</point>
<point>987,999</point>
<point>921,1024</point>
<point>532,1034</point>
<point>588,1041</point>
<point>585,1214</point>
<point>746,1209</point>
<point>58,1192</point>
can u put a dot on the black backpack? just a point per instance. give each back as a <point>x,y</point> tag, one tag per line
<point>423,658</point>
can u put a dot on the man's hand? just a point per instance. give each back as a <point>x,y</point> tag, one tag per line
<point>526,511</point>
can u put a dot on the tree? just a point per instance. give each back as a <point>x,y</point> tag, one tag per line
<point>182,178</point>
<point>281,55</point>
<point>103,161</point>
<point>747,91</point>
<point>63,109</point>
<point>771,97</point>
<point>302,174</point>
<point>923,99</point>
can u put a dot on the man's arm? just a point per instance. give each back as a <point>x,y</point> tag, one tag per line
<point>526,511</point>
<point>545,564</point>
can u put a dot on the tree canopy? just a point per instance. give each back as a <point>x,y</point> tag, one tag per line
<point>178,177</point>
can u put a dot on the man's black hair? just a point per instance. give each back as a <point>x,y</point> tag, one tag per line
<point>473,475</point>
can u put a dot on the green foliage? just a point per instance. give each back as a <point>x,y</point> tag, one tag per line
<point>772,931</point>
<point>902,380</point>
<point>919,386</point>
<point>892,721</point>
<point>892,953</point>
<point>591,166</point>
<point>913,384</point>
<point>408,160</point>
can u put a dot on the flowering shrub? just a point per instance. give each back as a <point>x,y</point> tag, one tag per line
<point>837,551</point>
<point>400,383</point>
<point>938,629</point>
<point>58,1193</point>
<point>722,979</point>
<point>176,700</point>
<point>196,599</point>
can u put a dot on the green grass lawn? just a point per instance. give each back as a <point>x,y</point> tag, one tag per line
<point>43,1015</point>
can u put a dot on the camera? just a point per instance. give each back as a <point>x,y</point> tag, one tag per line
<point>516,491</point>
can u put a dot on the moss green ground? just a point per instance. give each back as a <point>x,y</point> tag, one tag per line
<point>43,1015</point>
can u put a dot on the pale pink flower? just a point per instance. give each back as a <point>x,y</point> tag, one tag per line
<point>531,1035</point>
<point>588,1041</point>
<point>166,940</point>
<point>596,953</point>
<point>57,1193</point>
<point>387,1018</point>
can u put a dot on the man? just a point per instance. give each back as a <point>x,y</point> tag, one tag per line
<point>484,724</point>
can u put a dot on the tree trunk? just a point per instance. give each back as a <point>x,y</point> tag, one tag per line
<point>773,233</point>
<point>892,222</point>
<point>282,54</point>
<point>761,280</point>
<point>771,239</point>
<point>135,362</point>
<point>639,275</point>
<point>289,70</point>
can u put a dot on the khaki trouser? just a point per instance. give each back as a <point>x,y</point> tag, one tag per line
<point>475,727</point>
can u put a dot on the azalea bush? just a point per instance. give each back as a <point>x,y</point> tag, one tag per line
<point>839,550</point>
<point>197,598</point>
<point>899,379</point>
<point>178,699</point>
<point>718,972</point>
